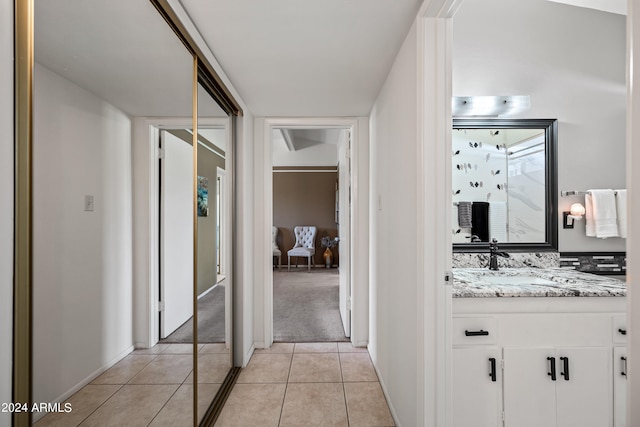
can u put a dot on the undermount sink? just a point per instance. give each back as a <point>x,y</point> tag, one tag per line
<point>516,280</point>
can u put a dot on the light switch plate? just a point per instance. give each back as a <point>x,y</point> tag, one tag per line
<point>88,203</point>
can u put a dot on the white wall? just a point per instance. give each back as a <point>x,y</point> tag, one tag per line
<point>6,201</point>
<point>633,246</point>
<point>243,246</point>
<point>571,61</point>
<point>82,260</point>
<point>394,294</point>
<point>145,231</point>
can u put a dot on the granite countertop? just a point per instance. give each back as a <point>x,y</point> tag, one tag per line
<point>533,282</point>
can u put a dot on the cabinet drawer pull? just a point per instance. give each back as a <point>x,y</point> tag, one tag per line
<point>623,370</point>
<point>492,370</point>
<point>476,333</point>
<point>565,367</point>
<point>552,367</point>
<point>622,331</point>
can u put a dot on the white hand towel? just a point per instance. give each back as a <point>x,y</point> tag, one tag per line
<point>498,221</point>
<point>588,216</point>
<point>600,214</point>
<point>621,210</point>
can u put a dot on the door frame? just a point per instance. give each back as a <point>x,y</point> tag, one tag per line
<point>343,218</point>
<point>359,233</point>
<point>146,178</point>
<point>165,286</point>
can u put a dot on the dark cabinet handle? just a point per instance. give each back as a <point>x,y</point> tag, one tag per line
<point>623,371</point>
<point>552,366</point>
<point>622,331</point>
<point>476,333</point>
<point>492,370</point>
<point>565,367</point>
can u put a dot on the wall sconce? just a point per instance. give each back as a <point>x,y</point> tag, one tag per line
<point>576,212</point>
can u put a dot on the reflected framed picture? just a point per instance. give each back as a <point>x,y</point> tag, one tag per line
<point>203,196</point>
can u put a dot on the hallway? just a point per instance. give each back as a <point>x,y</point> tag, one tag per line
<point>286,385</point>
<point>307,384</point>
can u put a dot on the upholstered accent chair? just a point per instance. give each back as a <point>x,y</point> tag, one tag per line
<point>274,243</point>
<point>305,244</point>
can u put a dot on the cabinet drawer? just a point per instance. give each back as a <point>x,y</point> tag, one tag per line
<point>475,330</point>
<point>567,330</point>
<point>619,324</point>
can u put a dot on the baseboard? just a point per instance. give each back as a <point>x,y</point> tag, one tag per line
<point>386,395</point>
<point>248,354</point>
<point>313,266</point>
<point>215,285</point>
<point>364,344</point>
<point>95,374</point>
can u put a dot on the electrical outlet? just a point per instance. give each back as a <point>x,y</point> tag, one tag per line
<point>88,203</point>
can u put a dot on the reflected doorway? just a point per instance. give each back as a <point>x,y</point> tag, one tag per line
<point>177,243</point>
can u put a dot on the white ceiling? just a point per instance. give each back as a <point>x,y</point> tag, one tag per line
<point>306,147</point>
<point>612,6</point>
<point>284,57</point>
<point>120,50</point>
<point>303,57</point>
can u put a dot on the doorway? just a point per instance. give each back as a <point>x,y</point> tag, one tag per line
<point>353,241</point>
<point>311,185</point>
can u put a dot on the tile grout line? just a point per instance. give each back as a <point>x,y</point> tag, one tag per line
<point>112,394</point>
<point>163,352</point>
<point>165,404</point>
<point>102,404</point>
<point>286,386</point>
<point>344,391</point>
<point>141,369</point>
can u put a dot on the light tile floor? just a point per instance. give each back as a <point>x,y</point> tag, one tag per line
<point>151,387</point>
<point>315,384</point>
<point>312,384</point>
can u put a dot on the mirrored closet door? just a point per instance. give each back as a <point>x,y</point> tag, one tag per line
<point>132,212</point>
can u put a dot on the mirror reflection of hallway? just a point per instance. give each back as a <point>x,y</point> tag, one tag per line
<point>306,192</point>
<point>177,246</point>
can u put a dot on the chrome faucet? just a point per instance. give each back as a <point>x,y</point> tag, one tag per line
<point>494,254</point>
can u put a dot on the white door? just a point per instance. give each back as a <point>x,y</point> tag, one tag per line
<point>529,390</point>
<point>176,256</point>
<point>584,392</point>
<point>620,386</point>
<point>344,229</point>
<point>476,385</point>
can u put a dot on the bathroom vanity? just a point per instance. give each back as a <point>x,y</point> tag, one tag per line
<point>538,347</point>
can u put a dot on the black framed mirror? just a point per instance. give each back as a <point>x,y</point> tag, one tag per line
<point>504,184</point>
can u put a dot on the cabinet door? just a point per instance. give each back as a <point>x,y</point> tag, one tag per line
<point>476,387</point>
<point>584,387</point>
<point>620,386</point>
<point>529,390</point>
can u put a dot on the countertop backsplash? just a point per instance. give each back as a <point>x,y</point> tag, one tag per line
<point>515,260</point>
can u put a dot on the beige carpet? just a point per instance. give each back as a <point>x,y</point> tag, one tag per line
<point>305,306</point>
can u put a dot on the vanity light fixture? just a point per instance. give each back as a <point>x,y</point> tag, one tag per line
<point>489,106</point>
<point>575,213</point>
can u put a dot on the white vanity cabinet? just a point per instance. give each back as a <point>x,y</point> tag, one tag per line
<point>477,385</point>
<point>562,387</point>
<point>619,331</point>
<point>534,341</point>
<point>620,386</point>
<point>477,372</point>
